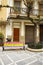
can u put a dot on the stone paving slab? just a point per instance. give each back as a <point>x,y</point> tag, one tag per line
<point>26,61</point>
<point>36,63</point>
<point>5,60</point>
<point>0,62</point>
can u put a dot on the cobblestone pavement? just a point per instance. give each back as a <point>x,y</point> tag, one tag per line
<point>21,57</point>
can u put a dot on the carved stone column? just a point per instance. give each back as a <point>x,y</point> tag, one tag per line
<point>22,32</point>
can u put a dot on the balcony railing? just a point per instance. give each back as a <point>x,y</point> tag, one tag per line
<point>24,11</point>
<point>17,10</point>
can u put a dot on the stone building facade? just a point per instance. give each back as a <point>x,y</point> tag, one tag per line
<point>21,29</point>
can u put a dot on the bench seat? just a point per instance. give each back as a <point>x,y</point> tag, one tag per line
<point>13,45</point>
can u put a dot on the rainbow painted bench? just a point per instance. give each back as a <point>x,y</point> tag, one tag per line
<point>13,45</point>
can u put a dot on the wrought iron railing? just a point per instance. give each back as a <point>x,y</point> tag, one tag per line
<point>18,10</point>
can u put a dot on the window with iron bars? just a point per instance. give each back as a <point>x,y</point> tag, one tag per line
<point>41,9</point>
<point>17,5</point>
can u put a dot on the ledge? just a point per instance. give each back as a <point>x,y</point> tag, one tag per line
<point>35,50</point>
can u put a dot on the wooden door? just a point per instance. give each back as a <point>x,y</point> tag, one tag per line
<point>16,34</point>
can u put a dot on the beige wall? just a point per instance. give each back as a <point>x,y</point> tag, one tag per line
<point>3,11</point>
<point>3,15</point>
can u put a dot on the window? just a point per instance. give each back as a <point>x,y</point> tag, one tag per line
<point>41,9</point>
<point>35,8</point>
<point>10,2</point>
<point>41,6</point>
<point>0,2</point>
<point>17,4</point>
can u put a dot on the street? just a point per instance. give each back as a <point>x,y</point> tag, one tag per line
<point>21,57</point>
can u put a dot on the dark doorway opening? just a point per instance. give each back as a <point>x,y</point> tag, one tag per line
<point>41,33</point>
<point>29,34</point>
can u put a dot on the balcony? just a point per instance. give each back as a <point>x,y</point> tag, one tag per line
<point>18,10</point>
<point>23,11</point>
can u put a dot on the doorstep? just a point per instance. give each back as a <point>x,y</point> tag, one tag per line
<point>35,50</point>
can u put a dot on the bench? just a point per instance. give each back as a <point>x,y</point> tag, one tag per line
<point>13,45</point>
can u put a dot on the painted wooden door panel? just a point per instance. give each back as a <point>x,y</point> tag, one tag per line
<point>16,34</point>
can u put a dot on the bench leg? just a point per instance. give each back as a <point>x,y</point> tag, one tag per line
<point>24,48</point>
<point>3,48</point>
